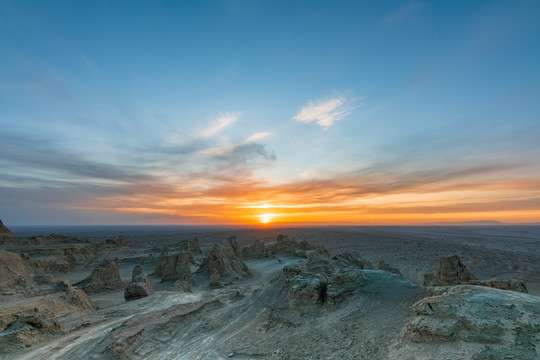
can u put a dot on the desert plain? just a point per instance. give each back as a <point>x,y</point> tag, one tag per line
<point>362,292</point>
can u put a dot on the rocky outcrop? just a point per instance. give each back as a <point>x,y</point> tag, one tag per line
<point>306,289</point>
<point>257,250</point>
<point>215,278</point>
<point>106,277</point>
<point>191,246</point>
<point>508,321</point>
<point>225,261</point>
<point>384,266</point>
<point>34,316</point>
<point>139,286</point>
<point>57,239</point>
<point>50,265</point>
<point>5,232</point>
<point>503,284</point>
<point>76,297</point>
<point>452,271</point>
<point>284,245</point>
<point>119,243</point>
<point>26,330</point>
<point>174,267</point>
<point>323,279</point>
<point>181,286</point>
<point>61,257</point>
<point>14,271</point>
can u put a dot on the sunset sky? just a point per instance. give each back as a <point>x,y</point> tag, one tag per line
<point>277,112</point>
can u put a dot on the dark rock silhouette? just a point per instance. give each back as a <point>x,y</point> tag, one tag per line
<point>5,232</point>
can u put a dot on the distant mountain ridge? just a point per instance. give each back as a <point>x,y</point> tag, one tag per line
<point>471,223</point>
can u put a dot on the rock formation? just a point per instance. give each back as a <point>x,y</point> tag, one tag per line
<point>384,266</point>
<point>257,250</point>
<point>5,232</point>
<point>450,272</point>
<point>76,297</point>
<point>284,245</point>
<point>189,245</point>
<point>26,330</point>
<point>174,267</point>
<point>503,284</point>
<point>139,286</point>
<point>225,260</point>
<point>323,279</point>
<point>509,321</point>
<point>50,265</point>
<point>56,239</point>
<point>215,278</point>
<point>106,277</point>
<point>118,243</point>
<point>53,257</point>
<point>181,286</point>
<point>14,271</point>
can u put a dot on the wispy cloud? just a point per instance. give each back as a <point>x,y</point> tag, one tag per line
<point>258,136</point>
<point>221,122</point>
<point>324,112</point>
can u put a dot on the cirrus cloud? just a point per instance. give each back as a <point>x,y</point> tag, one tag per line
<point>324,112</point>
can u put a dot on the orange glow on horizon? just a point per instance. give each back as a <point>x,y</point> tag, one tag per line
<point>332,203</point>
<point>266,218</point>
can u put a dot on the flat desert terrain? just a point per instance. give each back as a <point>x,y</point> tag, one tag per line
<point>250,293</point>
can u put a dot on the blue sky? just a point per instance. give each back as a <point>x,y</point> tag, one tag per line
<point>132,112</point>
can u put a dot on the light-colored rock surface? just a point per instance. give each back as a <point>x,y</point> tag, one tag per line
<point>509,322</point>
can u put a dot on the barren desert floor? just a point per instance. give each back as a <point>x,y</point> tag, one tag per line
<point>298,299</point>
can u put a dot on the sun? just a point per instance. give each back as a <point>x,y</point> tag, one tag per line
<point>266,218</point>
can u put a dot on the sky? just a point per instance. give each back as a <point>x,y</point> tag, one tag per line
<point>269,112</point>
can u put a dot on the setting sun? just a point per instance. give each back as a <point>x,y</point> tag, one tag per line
<point>266,218</point>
